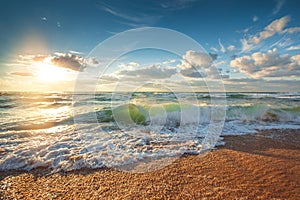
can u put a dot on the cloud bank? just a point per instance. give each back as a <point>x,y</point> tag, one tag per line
<point>69,61</point>
<point>270,64</point>
<point>155,71</point>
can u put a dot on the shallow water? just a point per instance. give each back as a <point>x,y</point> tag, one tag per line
<point>65,132</point>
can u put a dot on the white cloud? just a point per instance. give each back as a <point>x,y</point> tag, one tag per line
<point>168,62</point>
<point>296,59</point>
<point>279,4</point>
<point>231,48</point>
<point>270,64</point>
<point>129,66</point>
<point>223,62</point>
<point>275,27</point>
<point>223,49</point>
<point>246,30</point>
<point>197,59</point>
<point>255,19</point>
<point>292,30</point>
<point>116,13</point>
<point>75,52</point>
<point>291,48</point>
<point>133,19</point>
<point>134,64</point>
<point>198,64</point>
<point>246,45</point>
<point>214,49</point>
<point>282,42</point>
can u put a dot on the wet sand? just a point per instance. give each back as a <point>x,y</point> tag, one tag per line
<point>261,166</point>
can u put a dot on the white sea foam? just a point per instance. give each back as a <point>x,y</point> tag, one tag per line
<point>38,131</point>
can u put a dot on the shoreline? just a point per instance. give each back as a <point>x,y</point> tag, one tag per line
<point>264,165</point>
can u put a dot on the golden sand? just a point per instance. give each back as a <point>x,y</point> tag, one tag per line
<point>260,166</point>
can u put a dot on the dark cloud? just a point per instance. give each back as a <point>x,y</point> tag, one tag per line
<point>193,73</point>
<point>233,57</point>
<point>213,56</point>
<point>225,76</point>
<point>244,80</point>
<point>69,61</point>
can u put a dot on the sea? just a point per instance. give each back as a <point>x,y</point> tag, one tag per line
<point>66,131</point>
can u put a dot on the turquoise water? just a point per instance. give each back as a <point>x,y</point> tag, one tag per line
<point>60,132</point>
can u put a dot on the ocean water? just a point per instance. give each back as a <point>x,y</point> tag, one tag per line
<point>62,131</point>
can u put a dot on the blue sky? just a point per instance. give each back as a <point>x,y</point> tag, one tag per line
<point>257,43</point>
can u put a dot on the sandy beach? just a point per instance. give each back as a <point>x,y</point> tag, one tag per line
<point>156,99</point>
<point>260,166</point>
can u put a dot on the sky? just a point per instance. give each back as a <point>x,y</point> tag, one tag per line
<point>252,46</point>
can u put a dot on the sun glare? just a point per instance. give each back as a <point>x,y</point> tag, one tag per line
<point>51,73</point>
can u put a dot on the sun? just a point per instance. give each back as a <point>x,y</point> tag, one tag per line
<point>51,73</point>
